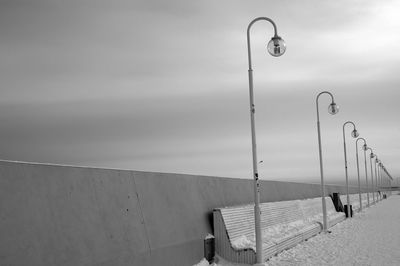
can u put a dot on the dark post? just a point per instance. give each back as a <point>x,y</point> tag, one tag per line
<point>209,248</point>
<point>351,210</point>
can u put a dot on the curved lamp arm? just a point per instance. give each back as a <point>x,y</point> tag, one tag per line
<point>365,142</point>
<point>332,103</point>
<point>248,35</point>
<point>349,122</point>
<point>371,154</point>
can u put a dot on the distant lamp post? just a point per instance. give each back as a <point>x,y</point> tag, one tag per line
<point>358,170</point>
<point>387,180</point>
<point>365,148</point>
<point>354,134</point>
<point>376,177</point>
<point>380,176</point>
<point>276,47</point>
<point>371,156</point>
<point>332,109</point>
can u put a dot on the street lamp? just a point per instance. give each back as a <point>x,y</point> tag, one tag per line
<point>332,109</point>
<point>376,178</point>
<point>365,148</point>
<point>354,134</point>
<point>382,177</point>
<point>276,47</point>
<point>358,170</point>
<point>371,156</point>
<point>388,182</point>
<point>381,185</point>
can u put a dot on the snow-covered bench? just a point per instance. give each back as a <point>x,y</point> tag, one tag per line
<point>284,224</point>
<point>355,201</point>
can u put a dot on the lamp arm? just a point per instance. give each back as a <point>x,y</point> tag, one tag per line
<point>317,98</point>
<point>248,34</point>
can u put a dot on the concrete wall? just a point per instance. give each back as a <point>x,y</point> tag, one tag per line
<point>62,215</point>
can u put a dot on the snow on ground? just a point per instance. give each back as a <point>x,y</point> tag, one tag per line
<point>371,237</point>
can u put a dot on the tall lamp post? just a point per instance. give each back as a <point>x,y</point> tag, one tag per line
<point>380,176</point>
<point>384,181</point>
<point>365,148</point>
<point>376,177</point>
<point>276,47</point>
<point>358,170</point>
<point>332,109</point>
<point>371,156</point>
<point>354,134</point>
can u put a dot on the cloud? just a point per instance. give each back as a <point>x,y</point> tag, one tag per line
<point>163,86</point>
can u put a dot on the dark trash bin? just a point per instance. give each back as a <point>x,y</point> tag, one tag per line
<point>351,210</point>
<point>209,248</point>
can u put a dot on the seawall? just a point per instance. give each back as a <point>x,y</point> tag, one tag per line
<point>64,215</point>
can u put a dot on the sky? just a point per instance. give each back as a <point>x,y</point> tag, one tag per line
<point>162,85</point>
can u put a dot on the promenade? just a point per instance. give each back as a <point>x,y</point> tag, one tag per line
<point>371,237</point>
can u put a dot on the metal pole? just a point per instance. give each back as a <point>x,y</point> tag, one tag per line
<point>380,178</point>
<point>379,182</point>
<point>372,178</point>
<point>358,172</point>
<point>366,174</point>
<point>257,211</point>
<point>376,181</point>
<point>321,167</point>
<point>345,167</point>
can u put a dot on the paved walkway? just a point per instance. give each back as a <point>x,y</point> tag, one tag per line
<point>372,237</point>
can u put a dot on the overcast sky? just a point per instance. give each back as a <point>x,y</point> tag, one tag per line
<point>163,86</point>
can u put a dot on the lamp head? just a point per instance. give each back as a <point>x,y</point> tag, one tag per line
<point>365,147</point>
<point>276,46</point>
<point>354,133</point>
<point>333,108</point>
<point>372,155</point>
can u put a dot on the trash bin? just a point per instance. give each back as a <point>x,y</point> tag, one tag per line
<point>209,248</point>
<point>384,196</point>
<point>351,210</point>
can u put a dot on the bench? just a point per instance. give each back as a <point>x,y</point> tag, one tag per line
<point>284,224</point>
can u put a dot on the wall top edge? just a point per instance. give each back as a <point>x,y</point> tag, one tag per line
<point>153,172</point>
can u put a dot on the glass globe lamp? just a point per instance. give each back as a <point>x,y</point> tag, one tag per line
<point>354,133</point>
<point>333,108</point>
<point>276,46</point>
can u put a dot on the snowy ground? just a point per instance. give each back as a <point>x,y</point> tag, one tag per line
<point>371,237</point>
